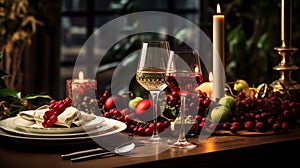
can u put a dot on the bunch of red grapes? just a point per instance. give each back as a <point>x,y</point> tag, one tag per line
<point>197,104</point>
<point>55,109</point>
<point>260,114</point>
<point>130,118</point>
<point>252,114</point>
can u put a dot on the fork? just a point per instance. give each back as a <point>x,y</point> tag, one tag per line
<point>68,155</point>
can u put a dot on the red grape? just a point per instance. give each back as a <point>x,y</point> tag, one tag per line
<point>160,127</point>
<point>55,109</point>
<point>148,131</point>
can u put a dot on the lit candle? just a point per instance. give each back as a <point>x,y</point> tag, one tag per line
<point>218,55</point>
<point>80,78</point>
<point>81,90</point>
<point>82,86</point>
<point>207,87</point>
<point>196,69</point>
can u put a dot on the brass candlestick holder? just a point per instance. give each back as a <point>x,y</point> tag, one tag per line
<point>286,67</point>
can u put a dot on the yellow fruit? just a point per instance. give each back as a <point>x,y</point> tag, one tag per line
<point>241,85</point>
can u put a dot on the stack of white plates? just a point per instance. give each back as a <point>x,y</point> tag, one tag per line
<point>21,129</point>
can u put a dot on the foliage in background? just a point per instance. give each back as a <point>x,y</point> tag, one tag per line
<point>12,101</point>
<point>18,25</point>
<point>252,32</point>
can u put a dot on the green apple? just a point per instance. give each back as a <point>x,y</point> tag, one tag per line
<point>229,102</point>
<point>133,102</point>
<point>220,114</point>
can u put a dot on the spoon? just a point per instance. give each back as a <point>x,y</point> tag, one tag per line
<point>122,149</point>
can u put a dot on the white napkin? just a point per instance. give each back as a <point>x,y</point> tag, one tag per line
<point>29,114</point>
<point>70,116</point>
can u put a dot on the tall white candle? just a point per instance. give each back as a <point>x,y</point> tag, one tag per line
<point>286,23</point>
<point>218,55</point>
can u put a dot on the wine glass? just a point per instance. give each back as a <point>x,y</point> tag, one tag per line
<point>183,75</point>
<point>151,75</point>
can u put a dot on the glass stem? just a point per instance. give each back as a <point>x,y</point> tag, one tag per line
<point>154,95</point>
<point>181,137</point>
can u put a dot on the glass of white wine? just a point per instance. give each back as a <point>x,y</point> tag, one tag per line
<point>151,75</point>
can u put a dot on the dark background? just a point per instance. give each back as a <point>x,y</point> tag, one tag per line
<point>252,32</point>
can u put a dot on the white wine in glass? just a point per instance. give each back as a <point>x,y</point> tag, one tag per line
<point>150,74</point>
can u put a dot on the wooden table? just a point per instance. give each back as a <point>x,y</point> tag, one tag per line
<point>215,151</point>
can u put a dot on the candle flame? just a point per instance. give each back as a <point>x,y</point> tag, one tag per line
<point>210,78</point>
<point>218,9</point>
<point>196,69</point>
<point>80,75</point>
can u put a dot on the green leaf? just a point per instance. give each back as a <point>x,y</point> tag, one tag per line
<point>262,41</point>
<point>9,92</point>
<point>249,43</point>
<point>36,96</point>
<point>239,2</point>
<point>235,37</point>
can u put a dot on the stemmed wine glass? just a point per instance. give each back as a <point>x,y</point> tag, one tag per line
<point>151,75</point>
<point>183,75</point>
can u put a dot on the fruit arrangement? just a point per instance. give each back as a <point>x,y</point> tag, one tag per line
<point>243,110</point>
<point>254,110</point>
<point>136,112</point>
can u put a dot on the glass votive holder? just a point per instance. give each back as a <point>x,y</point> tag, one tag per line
<point>83,94</point>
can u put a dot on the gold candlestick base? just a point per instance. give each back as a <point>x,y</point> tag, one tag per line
<point>285,83</point>
<point>293,89</point>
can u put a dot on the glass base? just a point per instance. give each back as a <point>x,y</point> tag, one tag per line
<point>183,144</point>
<point>155,140</point>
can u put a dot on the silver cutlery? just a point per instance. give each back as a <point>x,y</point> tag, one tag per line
<point>119,150</point>
<point>68,155</point>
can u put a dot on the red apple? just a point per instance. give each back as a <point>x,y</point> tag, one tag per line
<point>114,101</point>
<point>143,110</point>
<point>142,106</point>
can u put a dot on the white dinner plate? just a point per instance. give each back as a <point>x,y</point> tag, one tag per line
<point>14,129</point>
<point>9,130</point>
<point>31,127</point>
